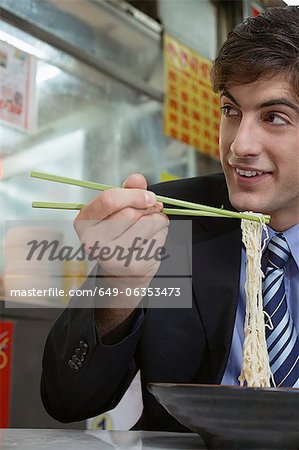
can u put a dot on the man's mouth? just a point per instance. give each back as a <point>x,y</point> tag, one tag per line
<point>249,173</point>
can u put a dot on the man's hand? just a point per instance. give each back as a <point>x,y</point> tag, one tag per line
<point>118,219</point>
<point>114,219</point>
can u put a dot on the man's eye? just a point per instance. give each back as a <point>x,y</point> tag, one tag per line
<point>276,119</point>
<point>229,111</point>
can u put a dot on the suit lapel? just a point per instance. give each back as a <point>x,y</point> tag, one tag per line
<point>216,260</point>
<point>215,275</point>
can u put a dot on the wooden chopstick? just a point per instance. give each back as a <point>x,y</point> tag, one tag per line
<point>217,212</point>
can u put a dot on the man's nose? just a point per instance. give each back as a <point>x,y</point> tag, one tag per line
<point>247,141</point>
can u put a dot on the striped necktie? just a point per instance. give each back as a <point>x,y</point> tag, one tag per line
<point>281,334</point>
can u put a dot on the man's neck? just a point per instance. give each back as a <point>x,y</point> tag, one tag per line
<point>281,224</point>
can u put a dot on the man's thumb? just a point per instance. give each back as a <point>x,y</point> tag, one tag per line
<point>135,181</point>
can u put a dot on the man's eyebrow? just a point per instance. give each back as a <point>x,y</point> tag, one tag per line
<point>280,101</point>
<point>225,93</point>
<point>273,102</point>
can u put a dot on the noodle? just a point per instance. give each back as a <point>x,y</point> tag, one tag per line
<point>255,370</point>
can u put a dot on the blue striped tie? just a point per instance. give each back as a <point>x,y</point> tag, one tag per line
<point>281,334</point>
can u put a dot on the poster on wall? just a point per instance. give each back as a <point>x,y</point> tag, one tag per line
<point>191,108</point>
<point>17,88</point>
<point>6,334</point>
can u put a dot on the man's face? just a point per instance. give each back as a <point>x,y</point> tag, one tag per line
<point>259,149</point>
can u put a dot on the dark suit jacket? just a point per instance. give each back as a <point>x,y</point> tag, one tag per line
<point>168,345</point>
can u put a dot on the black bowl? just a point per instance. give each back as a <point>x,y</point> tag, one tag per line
<point>234,417</point>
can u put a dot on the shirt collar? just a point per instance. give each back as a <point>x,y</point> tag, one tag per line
<point>292,238</point>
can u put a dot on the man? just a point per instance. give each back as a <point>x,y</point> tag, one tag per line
<point>92,355</point>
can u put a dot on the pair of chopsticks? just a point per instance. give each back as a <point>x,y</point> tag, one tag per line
<point>186,208</point>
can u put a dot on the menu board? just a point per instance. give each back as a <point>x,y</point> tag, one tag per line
<point>191,108</point>
<point>17,87</point>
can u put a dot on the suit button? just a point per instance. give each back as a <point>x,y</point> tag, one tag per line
<point>84,347</point>
<point>79,353</point>
<point>76,360</point>
<point>73,365</point>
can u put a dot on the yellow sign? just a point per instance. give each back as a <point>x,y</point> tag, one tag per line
<point>191,108</point>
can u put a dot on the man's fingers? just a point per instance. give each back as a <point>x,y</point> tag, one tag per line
<point>110,229</point>
<point>137,254</point>
<point>113,200</point>
<point>124,205</point>
<point>144,228</point>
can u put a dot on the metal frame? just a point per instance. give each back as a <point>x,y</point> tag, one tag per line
<point>100,65</point>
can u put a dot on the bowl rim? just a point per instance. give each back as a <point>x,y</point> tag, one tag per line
<point>223,387</point>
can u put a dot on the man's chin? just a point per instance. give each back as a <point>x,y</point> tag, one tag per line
<point>243,203</point>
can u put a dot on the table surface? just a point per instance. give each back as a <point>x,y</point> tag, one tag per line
<point>50,439</point>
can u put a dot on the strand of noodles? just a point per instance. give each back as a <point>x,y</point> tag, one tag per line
<point>255,370</point>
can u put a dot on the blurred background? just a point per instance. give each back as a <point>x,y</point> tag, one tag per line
<point>96,90</point>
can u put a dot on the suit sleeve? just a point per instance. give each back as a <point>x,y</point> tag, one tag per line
<point>82,377</point>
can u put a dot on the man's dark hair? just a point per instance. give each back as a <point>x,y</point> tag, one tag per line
<point>264,45</point>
